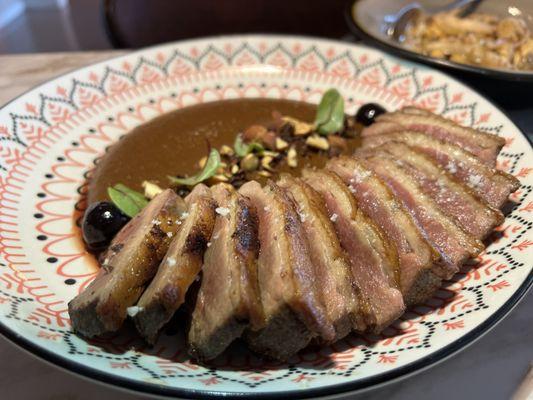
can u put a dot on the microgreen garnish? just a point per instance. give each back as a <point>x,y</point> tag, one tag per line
<point>330,113</point>
<point>210,168</point>
<point>242,149</point>
<point>127,200</point>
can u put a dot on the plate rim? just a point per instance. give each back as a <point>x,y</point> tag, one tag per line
<point>367,37</point>
<point>118,382</point>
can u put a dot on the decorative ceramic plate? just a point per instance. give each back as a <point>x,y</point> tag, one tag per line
<point>51,136</point>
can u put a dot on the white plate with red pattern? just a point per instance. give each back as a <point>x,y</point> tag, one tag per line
<point>50,137</point>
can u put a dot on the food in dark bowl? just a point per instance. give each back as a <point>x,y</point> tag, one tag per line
<point>297,229</point>
<point>477,39</point>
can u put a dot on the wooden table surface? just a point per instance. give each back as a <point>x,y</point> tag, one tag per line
<point>491,368</point>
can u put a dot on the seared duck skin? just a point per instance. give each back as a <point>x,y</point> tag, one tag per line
<point>294,313</point>
<point>180,267</point>
<point>129,263</point>
<point>332,266</point>
<point>228,301</point>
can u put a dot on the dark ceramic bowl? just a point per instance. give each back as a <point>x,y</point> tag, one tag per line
<point>366,19</point>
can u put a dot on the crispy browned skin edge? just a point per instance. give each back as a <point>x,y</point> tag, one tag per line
<point>129,264</point>
<point>293,313</point>
<point>178,270</point>
<point>228,301</point>
<point>333,268</point>
<point>417,287</point>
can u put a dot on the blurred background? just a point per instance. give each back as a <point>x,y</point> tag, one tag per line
<point>28,26</point>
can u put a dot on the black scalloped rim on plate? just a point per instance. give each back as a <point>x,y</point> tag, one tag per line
<point>343,388</point>
<point>432,61</point>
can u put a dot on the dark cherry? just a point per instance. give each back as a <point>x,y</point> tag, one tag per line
<point>368,112</point>
<point>101,223</point>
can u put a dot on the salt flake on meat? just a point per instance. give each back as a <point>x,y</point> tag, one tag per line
<point>171,261</point>
<point>474,180</point>
<point>451,167</point>
<point>222,211</point>
<point>133,311</point>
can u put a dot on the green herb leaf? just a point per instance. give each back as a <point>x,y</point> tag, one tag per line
<point>255,147</point>
<point>242,149</point>
<point>330,113</point>
<point>212,164</point>
<point>127,200</point>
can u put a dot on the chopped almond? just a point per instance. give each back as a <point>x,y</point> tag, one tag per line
<point>151,189</point>
<point>317,142</point>
<point>202,161</point>
<point>225,150</point>
<point>281,144</point>
<point>292,158</point>
<point>265,163</point>
<point>300,127</point>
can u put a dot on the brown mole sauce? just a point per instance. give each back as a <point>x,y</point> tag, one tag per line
<point>173,143</point>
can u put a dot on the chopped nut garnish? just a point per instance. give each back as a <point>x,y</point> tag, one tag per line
<point>270,153</point>
<point>265,163</point>
<point>202,162</point>
<point>225,150</point>
<point>292,158</point>
<point>220,178</point>
<point>250,162</point>
<point>151,189</point>
<point>281,144</point>
<point>234,169</point>
<point>264,173</point>
<point>318,142</point>
<point>300,127</point>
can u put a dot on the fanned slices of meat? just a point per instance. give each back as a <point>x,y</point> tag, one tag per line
<point>332,268</point>
<point>129,263</point>
<point>228,301</point>
<point>484,145</point>
<point>454,245</point>
<point>417,257</point>
<point>471,214</point>
<point>373,261</point>
<point>179,268</point>
<point>489,184</point>
<point>294,313</point>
